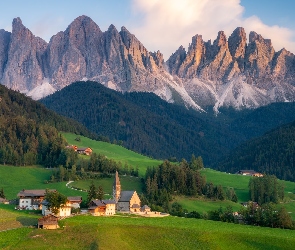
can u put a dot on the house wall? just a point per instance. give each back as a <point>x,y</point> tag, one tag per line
<point>110,209</point>
<point>134,200</point>
<point>50,226</point>
<point>99,211</point>
<point>75,205</point>
<point>64,211</point>
<point>25,202</point>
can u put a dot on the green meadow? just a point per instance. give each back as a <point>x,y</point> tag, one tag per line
<point>115,152</point>
<point>129,232</point>
<point>14,179</point>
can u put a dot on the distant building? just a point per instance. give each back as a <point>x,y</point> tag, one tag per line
<point>102,207</point>
<point>64,211</point>
<point>82,150</point>
<point>127,201</point>
<point>145,209</point>
<point>74,201</point>
<point>48,222</point>
<point>249,173</point>
<point>31,199</point>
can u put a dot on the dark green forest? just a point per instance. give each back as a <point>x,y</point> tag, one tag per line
<point>148,125</point>
<point>154,128</point>
<point>29,132</point>
<point>273,153</point>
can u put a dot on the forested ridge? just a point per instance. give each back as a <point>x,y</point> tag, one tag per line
<point>272,153</point>
<point>148,125</point>
<point>29,132</point>
<point>153,127</point>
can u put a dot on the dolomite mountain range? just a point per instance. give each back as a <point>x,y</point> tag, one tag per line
<point>228,72</point>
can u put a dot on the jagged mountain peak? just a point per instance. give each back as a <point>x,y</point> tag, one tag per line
<point>221,39</point>
<point>226,72</point>
<point>17,21</point>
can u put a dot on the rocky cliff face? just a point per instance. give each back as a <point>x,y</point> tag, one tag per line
<point>228,72</point>
<point>234,73</point>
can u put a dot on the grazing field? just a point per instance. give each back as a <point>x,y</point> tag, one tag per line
<point>201,206</point>
<point>238,182</point>
<point>114,152</point>
<point>124,232</point>
<point>14,179</point>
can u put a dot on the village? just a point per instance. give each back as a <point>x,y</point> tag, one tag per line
<point>122,202</point>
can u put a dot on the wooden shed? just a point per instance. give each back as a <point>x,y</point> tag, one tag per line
<point>49,221</point>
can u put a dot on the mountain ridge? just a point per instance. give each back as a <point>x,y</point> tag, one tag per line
<point>228,72</point>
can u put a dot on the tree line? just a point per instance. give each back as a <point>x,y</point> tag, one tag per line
<point>29,131</point>
<point>168,179</point>
<point>72,167</point>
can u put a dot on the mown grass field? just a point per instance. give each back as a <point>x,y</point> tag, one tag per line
<point>14,179</point>
<point>201,206</point>
<point>114,152</point>
<point>123,232</point>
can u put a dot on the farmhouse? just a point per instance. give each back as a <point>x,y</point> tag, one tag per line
<point>84,151</point>
<point>48,222</point>
<point>64,211</point>
<point>31,199</point>
<point>250,173</point>
<point>127,201</point>
<point>102,207</point>
<point>74,201</point>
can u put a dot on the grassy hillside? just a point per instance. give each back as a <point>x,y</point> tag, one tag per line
<point>14,179</point>
<point>88,232</point>
<point>114,152</point>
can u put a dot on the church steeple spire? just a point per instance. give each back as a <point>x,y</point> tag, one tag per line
<point>116,188</point>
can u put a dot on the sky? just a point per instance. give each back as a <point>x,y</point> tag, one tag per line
<point>160,24</point>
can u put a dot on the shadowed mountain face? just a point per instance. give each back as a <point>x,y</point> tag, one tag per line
<point>228,72</point>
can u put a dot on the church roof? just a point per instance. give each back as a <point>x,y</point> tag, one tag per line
<point>126,195</point>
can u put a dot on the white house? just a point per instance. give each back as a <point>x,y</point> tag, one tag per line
<point>64,211</point>
<point>102,207</point>
<point>31,199</point>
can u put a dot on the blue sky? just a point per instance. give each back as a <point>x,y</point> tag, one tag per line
<point>160,24</point>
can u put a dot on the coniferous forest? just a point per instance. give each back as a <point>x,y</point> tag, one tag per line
<point>272,153</point>
<point>153,127</point>
<point>29,132</point>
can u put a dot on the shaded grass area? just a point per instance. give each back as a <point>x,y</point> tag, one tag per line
<point>115,152</point>
<point>10,219</point>
<point>87,232</point>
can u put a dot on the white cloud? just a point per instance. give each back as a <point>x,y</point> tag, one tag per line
<point>167,24</point>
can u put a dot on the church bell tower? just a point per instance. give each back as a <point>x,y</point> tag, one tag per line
<point>116,188</point>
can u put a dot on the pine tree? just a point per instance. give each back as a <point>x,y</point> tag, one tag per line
<point>2,195</point>
<point>100,193</point>
<point>92,193</point>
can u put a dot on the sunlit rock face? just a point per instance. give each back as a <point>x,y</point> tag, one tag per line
<point>226,72</point>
